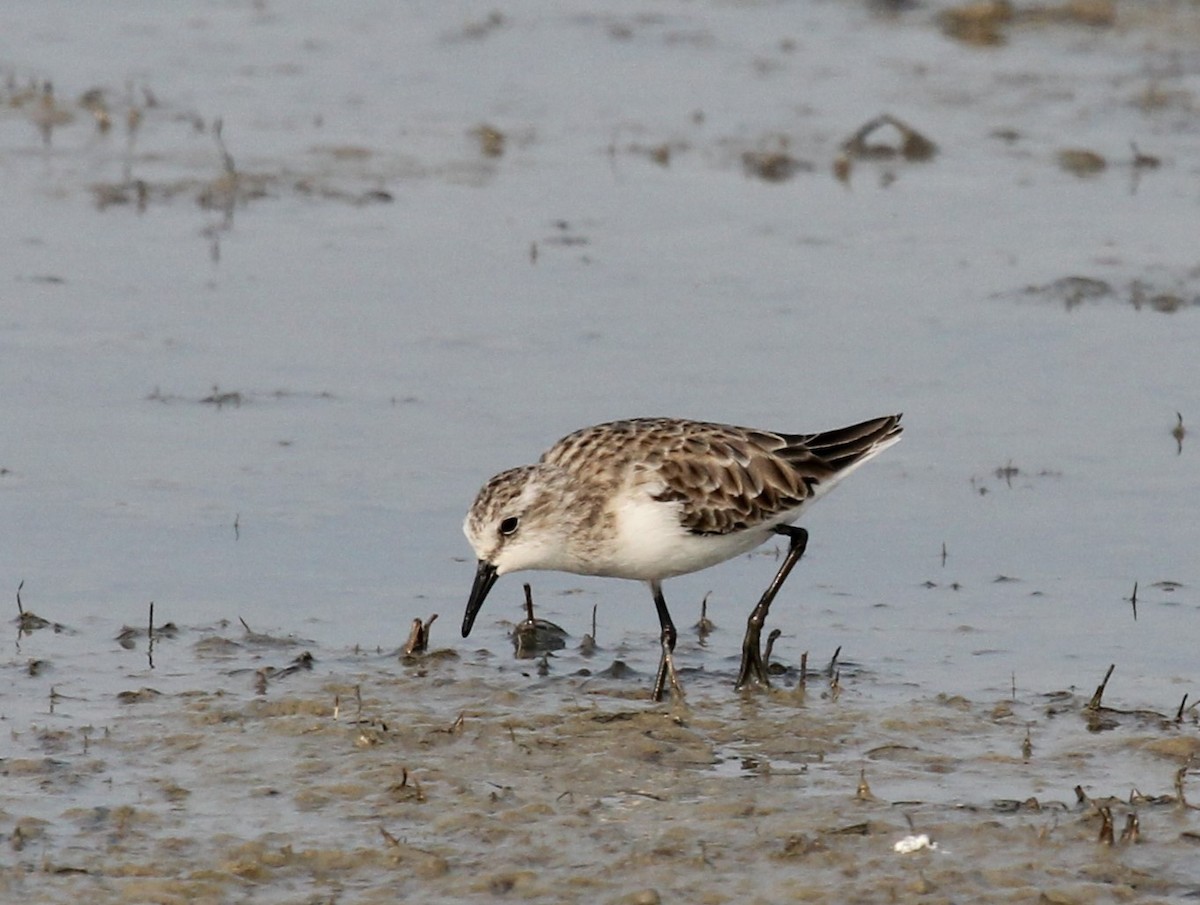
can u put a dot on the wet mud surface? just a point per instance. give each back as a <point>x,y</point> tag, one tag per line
<point>250,768</point>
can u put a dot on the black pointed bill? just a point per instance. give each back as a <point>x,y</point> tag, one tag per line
<point>485,577</point>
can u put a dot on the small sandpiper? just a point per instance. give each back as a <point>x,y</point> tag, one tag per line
<point>652,498</point>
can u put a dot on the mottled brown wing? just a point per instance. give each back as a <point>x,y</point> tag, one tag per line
<point>729,479</point>
<point>725,478</point>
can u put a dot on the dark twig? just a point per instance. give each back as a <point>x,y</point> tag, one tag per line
<point>705,626</point>
<point>1094,703</point>
<point>1106,826</point>
<point>913,145</point>
<point>150,637</point>
<point>863,792</point>
<point>418,638</point>
<point>771,639</point>
<point>1180,776</point>
<point>1008,472</point>
<point>832,669</point>
<point>587,644</point>
<point>835,674</point>
<point>534,636</point>
<point>457,726</point>
<point>1132,829</point>
<point>28,621</point>
<point>226,157</point>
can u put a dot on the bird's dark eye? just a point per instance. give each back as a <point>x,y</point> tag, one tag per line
<point>509,525</point>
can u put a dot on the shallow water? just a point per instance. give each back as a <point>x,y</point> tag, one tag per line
<point>268,389</point>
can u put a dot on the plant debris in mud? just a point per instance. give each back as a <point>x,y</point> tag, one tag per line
<point>1081,162</point>
<point>29,622</point>
<point>128,635</point>
<point>987,23</point>
<point>418,636</point>
<point>491,140</point>
<point>264,639</point>
<point>227,191</point>
<point>773,166</point>
<point>230,188</point>
<point>883,138</point>
<point>1142,294</point>
<point>478,759</point>
<point>1101,718</point>
<point>220,399</point>
<point>908,143</point>
<point>532,636</point>
<point>1008,473</point>
<point>264,674</point>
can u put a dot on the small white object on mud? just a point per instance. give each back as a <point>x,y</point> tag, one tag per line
<point>910,844</point>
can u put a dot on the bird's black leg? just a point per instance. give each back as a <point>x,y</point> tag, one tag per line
<point>753,669</point>
<point>666,666</point>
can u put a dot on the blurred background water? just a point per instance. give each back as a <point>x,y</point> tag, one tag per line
<point>403,306</point>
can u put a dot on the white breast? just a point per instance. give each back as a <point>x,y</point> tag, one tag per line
<point>650,543</point>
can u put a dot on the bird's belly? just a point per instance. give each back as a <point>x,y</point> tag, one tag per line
<point>651,544</point>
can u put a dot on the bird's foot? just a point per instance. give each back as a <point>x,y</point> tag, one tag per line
<point>666,672</point>
<point>753,670</point>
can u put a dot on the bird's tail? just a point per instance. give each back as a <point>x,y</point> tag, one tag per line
<point>846,448</point>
